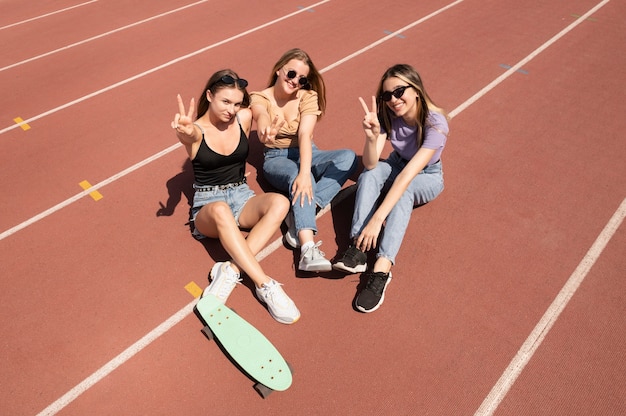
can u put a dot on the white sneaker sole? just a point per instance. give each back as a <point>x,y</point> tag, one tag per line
<point>316,268</point>
<point>277,318</point>
<point>291,241</point>
<point>359,268</point>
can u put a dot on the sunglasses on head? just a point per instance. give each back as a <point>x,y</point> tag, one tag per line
<point>228,80</point>
<point>398,92</point>
<point>291,74</point>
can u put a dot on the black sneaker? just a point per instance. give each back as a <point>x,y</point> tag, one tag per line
<point>373,295</point>
<point>352,261</point>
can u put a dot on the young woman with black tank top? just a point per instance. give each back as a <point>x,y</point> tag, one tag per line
<point>217,144</point>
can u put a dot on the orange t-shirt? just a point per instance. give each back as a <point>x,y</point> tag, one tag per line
<point>288,134</point>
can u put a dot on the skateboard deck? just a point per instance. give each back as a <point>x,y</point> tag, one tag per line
<point>246,345</point>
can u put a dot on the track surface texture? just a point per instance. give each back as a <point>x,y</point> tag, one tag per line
<point>509,292</point>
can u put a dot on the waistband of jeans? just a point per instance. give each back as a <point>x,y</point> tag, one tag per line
<point>201,188</point>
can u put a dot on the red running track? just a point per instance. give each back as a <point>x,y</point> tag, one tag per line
<point>508,295</point>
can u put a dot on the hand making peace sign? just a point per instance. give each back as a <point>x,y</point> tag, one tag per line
<point>183,122</point>
<point>371,125</point>
<point>268,134</point>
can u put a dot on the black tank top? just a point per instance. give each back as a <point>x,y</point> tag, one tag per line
<point>211,168</point>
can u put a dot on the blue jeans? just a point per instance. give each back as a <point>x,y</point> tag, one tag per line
<point>376,182</point>
<point>329,171</point>
<point>236,197</point>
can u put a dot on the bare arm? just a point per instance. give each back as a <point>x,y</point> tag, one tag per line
<point>302,184</point>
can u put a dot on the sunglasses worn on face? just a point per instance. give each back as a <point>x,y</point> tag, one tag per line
<point>291,74</point>
<point>398,92</point>
<point>228,80</point>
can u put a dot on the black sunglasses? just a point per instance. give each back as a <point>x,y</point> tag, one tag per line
<point>303,81</point>
<point>228,80</point>
<point>398,92</point>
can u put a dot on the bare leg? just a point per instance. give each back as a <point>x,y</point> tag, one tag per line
<point>264,213</point>
<point>304,236</point>
<point>382,264</point>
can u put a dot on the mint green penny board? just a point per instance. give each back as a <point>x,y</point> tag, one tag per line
<point>246,345</point>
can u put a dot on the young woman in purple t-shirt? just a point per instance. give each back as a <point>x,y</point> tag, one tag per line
<point>388,190</point>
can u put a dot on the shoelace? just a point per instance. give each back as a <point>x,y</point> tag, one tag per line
<point>316,250</point>
<point>229,283</point>
<point>352,253</point>
<point>271,291</point>
<point>376,282</point>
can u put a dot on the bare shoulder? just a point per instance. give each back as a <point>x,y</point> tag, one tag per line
<point>245,114</point>
<point>245,118</point>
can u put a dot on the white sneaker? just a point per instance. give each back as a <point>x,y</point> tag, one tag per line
<point>313,260</point>
<point>291,236</point>
<point>223,281</point>
<point>280,306</point>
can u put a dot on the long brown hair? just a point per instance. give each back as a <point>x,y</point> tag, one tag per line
<point>316,82</point>
<point>425,105</point>
<point>215,84</point>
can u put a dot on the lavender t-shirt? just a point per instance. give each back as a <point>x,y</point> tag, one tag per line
<point>404,137</point>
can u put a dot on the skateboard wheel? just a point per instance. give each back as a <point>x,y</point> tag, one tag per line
<point>263,390</point>
<point>208,333</point>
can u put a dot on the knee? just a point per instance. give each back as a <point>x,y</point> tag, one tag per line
<point>280,205</point>
<point>276,207</point>
<point>367,176</point>
<point>348,160</point>
<point>216,211</point>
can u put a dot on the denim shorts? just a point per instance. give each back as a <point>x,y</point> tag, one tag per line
<point>235,196</point>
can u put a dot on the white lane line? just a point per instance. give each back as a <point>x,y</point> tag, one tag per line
<point>534,340</point>
<point>102,35</point>
<point>392,35</point>
<point>523,356</point>
<point>86,192</point>
<point>47,14</point>
<point>524,61</point>
<point>105,370</point>
<point>158,68</point>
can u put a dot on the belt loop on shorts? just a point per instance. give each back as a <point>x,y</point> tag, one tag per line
<point>219,187</point>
